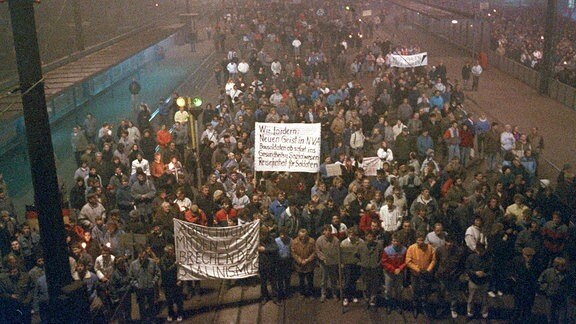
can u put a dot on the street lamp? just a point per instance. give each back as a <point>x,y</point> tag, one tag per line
<point>194,106</point>
<point>454,22</point>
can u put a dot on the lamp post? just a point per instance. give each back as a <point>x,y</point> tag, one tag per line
<point>453,23</point>
<point>194,106</point>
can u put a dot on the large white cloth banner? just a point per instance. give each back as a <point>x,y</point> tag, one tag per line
<point>409,61</point>
<point>287,147</point>
<point>216,252</point>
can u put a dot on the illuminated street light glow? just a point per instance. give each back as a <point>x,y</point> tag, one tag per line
<point>181,102</point>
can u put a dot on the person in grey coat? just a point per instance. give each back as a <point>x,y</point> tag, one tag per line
<point>143,192</point>
<point>370,254</point>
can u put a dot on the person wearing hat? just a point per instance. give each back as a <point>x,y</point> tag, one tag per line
<point>143,191</point>
<point>524,277</point>
<point>90,211</point>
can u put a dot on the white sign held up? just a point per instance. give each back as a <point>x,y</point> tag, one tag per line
<point>409,61</point>
<point>287,147</point>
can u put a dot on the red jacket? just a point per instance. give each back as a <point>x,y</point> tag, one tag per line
<point>163,137</point>
<point>392,259</point>
<point>366,220</point>
<point>198,218</point>
<point>466,138</point>
<point>222,216</point>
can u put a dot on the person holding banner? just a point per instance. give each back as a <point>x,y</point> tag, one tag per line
<point>225,214</point>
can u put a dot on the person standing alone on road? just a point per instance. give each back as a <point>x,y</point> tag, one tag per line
<point>476,72</point>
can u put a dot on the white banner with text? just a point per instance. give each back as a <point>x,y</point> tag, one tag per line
<point>409,61</point>
<point>216,252</point>
<point>287,147</point>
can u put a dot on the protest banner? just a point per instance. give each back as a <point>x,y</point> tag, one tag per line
<point>287,147</point>
<point>371,165</point>
<point>333,170</point>
<point>216,252</point>
<point>409,61</point>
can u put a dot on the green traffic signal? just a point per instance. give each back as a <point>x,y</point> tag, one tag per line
<point>197,101</point>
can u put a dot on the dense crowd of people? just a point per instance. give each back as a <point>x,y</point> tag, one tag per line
<point>517,32</point>
<point>457,197</point>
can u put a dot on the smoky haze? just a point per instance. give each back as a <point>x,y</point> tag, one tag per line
<point>102,20</point>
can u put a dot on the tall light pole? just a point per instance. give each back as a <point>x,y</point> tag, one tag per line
<point>43,166</point>
<point>78,28</point>
<point>547,73</point>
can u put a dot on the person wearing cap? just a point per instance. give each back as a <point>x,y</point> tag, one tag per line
<point>524,276</point>
<point>143,191</point>
<point>92,209</point>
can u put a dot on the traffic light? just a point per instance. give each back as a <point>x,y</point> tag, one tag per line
<point>197,102</point>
